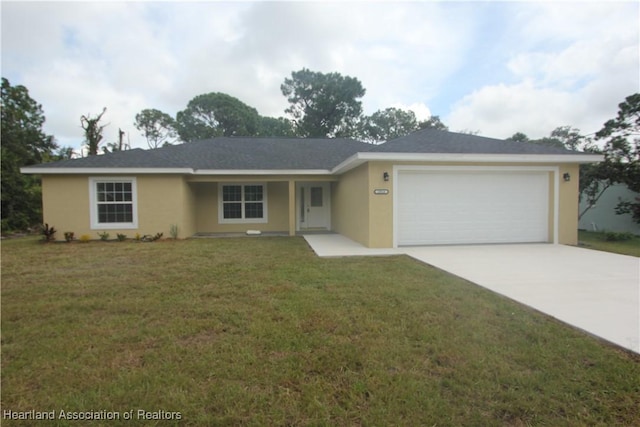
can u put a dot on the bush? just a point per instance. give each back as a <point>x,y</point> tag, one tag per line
<point>104,236</point>
<point>68,236</point>
<point>121,237</point>
<point>612,236</point>
<point>85,238</point>
<point>173,231</point>
<point>150,238</point>
<point>49,233</point>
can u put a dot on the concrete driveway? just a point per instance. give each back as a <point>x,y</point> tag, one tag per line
<point>595,291</point>
<point>598,292</point>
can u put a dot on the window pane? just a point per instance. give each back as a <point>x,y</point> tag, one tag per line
<point>253,210</point>
<point>316,197</point>
<point>231,193</point>
<point>114,192</point>
<point>253,193</point>
<point>120,212</point>
<point>127,195</point>
<point>232,210</point>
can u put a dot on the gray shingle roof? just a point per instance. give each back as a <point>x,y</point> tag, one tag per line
<point>438,141</point>
<point>230,153</point>
<point>252,153</point>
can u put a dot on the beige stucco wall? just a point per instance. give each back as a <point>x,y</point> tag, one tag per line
<point>568,203</point>
<point>192,204</point>
<point>163,200</point>
<point>188,227</point>
<point>350,208</point>
<point>206,209</point>
<point>65,204</point>
<point>380,205</point>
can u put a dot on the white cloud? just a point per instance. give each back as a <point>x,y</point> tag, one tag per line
<point>421,111</point>
<point>498,67</point>
<point>579,64</point>
<point>502,110</point>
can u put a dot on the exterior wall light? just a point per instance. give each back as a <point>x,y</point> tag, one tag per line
<point>385,176</point>
<point>566,177</point>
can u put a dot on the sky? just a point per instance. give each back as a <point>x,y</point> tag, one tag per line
<point>495,68</point>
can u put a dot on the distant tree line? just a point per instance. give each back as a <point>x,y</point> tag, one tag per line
<point>320,105</point>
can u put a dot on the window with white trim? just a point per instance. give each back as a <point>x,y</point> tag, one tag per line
<point>113,203</point>
<point>242,203</point>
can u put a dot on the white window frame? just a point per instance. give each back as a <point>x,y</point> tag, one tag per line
<point>93,200</point>
<point>265,210</point>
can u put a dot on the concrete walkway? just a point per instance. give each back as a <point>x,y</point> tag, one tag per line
<point>595,291</point>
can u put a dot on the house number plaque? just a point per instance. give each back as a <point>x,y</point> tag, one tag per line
<point>379,191</point>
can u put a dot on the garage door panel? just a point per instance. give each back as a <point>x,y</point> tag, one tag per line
<point>472,207</point>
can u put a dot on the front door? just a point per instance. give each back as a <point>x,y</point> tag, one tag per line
<point>314,212</point>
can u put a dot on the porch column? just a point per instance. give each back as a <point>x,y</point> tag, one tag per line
<point>292,208</point>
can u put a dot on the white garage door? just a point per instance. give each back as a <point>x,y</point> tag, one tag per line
<point>466,207</point>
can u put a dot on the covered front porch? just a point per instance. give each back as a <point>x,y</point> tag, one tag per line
<point>280,205</point>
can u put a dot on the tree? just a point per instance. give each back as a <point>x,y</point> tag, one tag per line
<point>518,137</point>
<point>157,127</point>
<point>387,124</point>
<point>433,122</point>
<point>64,153</point>
<point>469,131</point>
<point>23,143</point>
<point>595,179</point>
<point>622,152</point>
<point>569,137</point>
<point>323,104</point>
<point>112,147</point>
<point>93,131</point>
<point>270,126</point>
<point>561,137</point>
<point>216,114</point>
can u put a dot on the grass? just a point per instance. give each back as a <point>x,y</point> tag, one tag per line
<point>598,241</point>
<point>261,332</point>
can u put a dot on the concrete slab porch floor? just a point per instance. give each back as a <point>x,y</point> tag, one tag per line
<point>598,292</point>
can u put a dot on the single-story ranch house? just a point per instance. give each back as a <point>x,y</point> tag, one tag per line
<point>428,188</point>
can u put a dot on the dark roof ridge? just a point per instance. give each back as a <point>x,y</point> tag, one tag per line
<point>440,141</point>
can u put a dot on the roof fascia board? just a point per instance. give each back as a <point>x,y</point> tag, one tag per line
<point>182,171</point>
<point>262,172</point>
<point>110,171</point>
<point>351,162</point>
<point>360,158</point>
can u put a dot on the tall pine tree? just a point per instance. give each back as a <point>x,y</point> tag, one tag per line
<point>23,143</point>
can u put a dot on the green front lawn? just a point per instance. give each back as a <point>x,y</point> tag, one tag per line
<point>601,241</point>
<point>259,331</point>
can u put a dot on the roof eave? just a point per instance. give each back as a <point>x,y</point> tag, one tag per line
<point>262,172</point>
<point>359,158</point>
<point>170,171</point>
<point>351,162</point>
<point>103,171</point>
